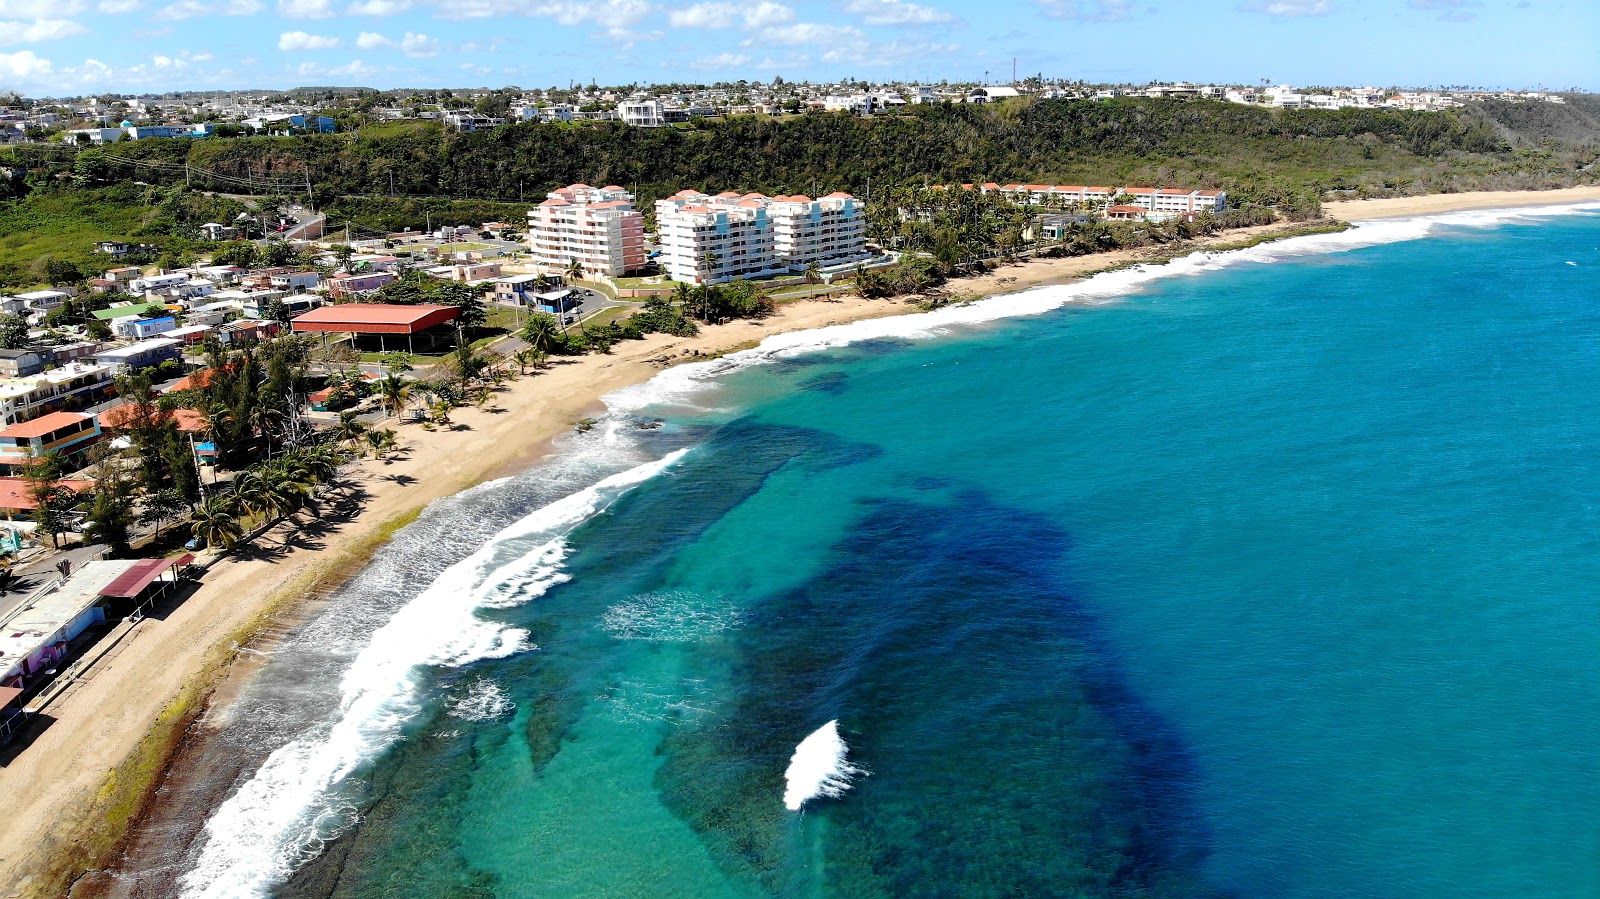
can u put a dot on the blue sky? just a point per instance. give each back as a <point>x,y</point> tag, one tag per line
<point>63,47</point>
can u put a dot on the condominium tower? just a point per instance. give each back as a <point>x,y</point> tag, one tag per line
<point>711,239</point>
<point>595,226</point>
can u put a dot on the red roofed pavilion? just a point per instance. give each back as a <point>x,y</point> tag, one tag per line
<point>380,320</point>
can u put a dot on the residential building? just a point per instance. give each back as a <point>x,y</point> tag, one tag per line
<point>710,240</point>
<point>596,227</point>
<point>829,231</point>
<point>296,282</point>
<point>139,356</point>
<point>642,113</point>
<point>21,363</point>
<point>66,388</point>
<point>356,285</point>
<point>68,433</point>
<point>132,328</point>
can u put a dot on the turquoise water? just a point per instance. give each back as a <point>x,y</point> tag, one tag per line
<point>1277,581</point>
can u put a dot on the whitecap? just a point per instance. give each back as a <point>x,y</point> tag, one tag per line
<point>280,817</point>
<point>820,766</point>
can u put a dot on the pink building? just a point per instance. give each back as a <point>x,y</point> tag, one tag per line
<point>597,227</point>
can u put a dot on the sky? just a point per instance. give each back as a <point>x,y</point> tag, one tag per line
<point>73,47</point>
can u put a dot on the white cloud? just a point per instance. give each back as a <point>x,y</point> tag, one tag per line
<point>626,38</point>
<point>1289,7</point>
<point>378,7</point>
<point>815,34</point>
<point>1090,10</point>
<point>1448,10</point>
<point>354,68</point>
<point>721,61</point>
<point>119,7</point>
<point>202,57</point>
<point>412,44</point>
<point>291,41</point>
<point>896,12</point>
<point>41,30</point>
<point>40,9</point>
<point>610,13</point>
<point>768,14</point>
<point>22,67</point>
<point>305,9</point>
<point>191,9</point>
<point>705,15</point>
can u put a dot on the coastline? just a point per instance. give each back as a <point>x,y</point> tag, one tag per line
<point>1433,204</point>
<point>87,777</point>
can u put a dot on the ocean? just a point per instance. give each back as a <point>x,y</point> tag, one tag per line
<point>1269,573</point>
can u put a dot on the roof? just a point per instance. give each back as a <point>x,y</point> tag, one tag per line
<point>44,424</point>
<point>187,420</point>
<point>135,349</point>
<point>374,318</point>
<point>15,494</point>
<point>139,575</point>
<point>1138,209</point>
<point>106,315</point>
<point>8,695</point>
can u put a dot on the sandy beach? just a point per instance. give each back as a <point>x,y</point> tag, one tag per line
<point>1400,207</point>
<point>76,784</point>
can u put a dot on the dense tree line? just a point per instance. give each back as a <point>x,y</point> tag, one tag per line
<point>1258,154</point>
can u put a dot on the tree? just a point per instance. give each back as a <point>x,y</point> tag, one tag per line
<point>574,270</point>
<point>381,442</point>
<point>813,272</point>
<point>60,271</point>
<point>349,428</point>
<point>13,331</point>
<point>279,253</point>
<point>394,393</point>
<point>162,506</point>
<point>241,253</point>
<point>110,515</point>
<point>474,314</point>
<point>542,332</point>
<point>217,523</point>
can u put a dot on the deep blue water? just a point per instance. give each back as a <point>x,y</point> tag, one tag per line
<point>1277,581</point>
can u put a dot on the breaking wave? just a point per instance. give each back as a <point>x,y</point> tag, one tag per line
<point>820,766</point>
<point>681,385</point>
<point>291,808</point>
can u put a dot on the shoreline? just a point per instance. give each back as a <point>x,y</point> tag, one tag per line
<point>1433,204</point>
<point>81,786</point>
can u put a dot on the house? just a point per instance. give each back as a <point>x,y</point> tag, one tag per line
<point>992,94</point>
<point>132,328</point>
<point>294,304</point>
<point>69,433</point>
<point>355,285</point>
<point>139,356</point>
<point>21,363</point>
<point>471,272</point>
<point>519,290</point>
<point>43,300</point>
<point>1125,213</point>
<point>217,232</point>
<point>642,113</point>
<point>128,310</point>
<point>296,282</point>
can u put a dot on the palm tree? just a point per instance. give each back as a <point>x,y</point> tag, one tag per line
<point>289,487</point>
<point>541,332</point>
<point>217,523</point>
<point>250,492</point>
<point>440,411</point>
<point>349,429</point>
<point>813,272</point>
<point>394,393</point>
<point>574,270</point>
<point>381,442</point>
<point>524,358</point>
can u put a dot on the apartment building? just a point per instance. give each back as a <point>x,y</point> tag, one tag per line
<point>642,113</point>
<point>70,387</point>
<point>828,231</point>
<point>1157,203</point>
<point>595,226</point>
<point>710,240</point>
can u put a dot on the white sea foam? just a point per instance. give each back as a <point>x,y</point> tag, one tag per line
<point>482,701</point>
<point>684,384</point>
<point>820,766</point>
<point>285,813</point>
<point>671,616</point>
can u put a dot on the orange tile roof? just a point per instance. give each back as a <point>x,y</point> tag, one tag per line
<point>119,417</point>
<point>1140,191</point>
<point>44,424</point>
<point>14,493</point>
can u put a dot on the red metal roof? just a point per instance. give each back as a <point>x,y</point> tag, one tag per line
<point>139,575</point>
<point>8,695</point>
<point>44,424</point>
<point>374,318</point>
